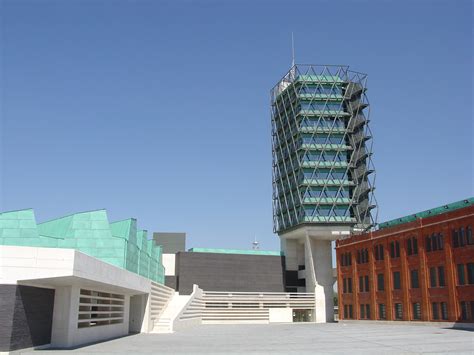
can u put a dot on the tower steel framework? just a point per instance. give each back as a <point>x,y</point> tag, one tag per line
<point>322,149</point>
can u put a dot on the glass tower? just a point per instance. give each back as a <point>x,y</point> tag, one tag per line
<point>321,141</point>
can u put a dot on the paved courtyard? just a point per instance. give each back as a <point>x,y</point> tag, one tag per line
<point>300,338</point>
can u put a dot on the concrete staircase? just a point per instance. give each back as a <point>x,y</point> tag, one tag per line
<point>164,323</point>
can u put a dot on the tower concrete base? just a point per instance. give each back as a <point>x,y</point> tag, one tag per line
<point>309,249</point>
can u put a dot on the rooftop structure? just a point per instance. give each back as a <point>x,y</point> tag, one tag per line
<point>118,243</point>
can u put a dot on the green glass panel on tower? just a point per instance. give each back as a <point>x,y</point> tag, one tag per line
<point>322,151</point>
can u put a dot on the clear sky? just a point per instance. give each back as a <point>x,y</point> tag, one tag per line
<point>159,110</point>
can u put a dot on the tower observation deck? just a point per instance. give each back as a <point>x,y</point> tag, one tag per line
<point>323,176</point>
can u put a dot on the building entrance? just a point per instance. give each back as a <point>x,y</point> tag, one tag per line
<point>302,315</point>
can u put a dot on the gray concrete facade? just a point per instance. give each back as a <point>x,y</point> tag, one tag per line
<point>229,272</point>
<point>171,242</point>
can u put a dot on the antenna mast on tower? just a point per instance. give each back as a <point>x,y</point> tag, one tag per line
<point>292,50</point>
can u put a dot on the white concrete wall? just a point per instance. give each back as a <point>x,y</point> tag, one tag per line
<point>25,263</point>
<point>65,332</point>
<point>169,262</point>
<point>67,271</point>
<point>280,315</point>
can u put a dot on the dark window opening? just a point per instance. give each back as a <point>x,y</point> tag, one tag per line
<point>432,277</point>
<point>444,310</point>
<point>414,279</point>
<point>398,311</point>
<point>417,311</point>
<point>396,280</point>
<point>435,309</point>
<point>441,282</point>
<point>470,273</point>
<point>382,311</point>
<point>380,282</point>
<point>461,275</point>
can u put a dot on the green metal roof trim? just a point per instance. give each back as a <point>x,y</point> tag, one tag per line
<point>428,213</point>
<point>235,251</point>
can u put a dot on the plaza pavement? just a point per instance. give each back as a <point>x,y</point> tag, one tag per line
<point>296,338</point>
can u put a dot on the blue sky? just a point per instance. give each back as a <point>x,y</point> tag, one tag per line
<point>159,110</point>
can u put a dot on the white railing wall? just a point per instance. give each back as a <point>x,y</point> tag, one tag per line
<point>251,307</point>
<point>214,299</point>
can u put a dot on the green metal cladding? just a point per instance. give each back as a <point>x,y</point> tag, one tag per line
<point>322,151</point>
<point>118,243</point>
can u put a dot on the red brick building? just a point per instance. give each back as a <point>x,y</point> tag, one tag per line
<point>419,267</point>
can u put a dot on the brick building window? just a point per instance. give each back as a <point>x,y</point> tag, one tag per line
<point>380,282</point>
<point>437,277</point>
<point>416,311</point>
<point>364,311</point>
<point>457,242</point>
<point>414,279</point>
<point>395,249</point>
<point>412,246</point>
<point>441,281</point>
<point>346,259</point>
<point>347,285</point>
<point>398,311</point>
<point>434,242</point>
<point>444,310</point>
<point>362,256</point>
<point>435,309</point>
<point>382,311</point>
<point>379,252</point>
<point>396,280</point>
<point>432,277</point>
<point>462,237</point>
<point>470,273</point>
<point>461,275</point>
<point>364,283</point>
<point>348,311</point>
<point>464,310</point>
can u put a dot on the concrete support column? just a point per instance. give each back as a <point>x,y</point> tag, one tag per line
<point>65,315</point>
<point>312,245</point>
<point>318,255</point>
